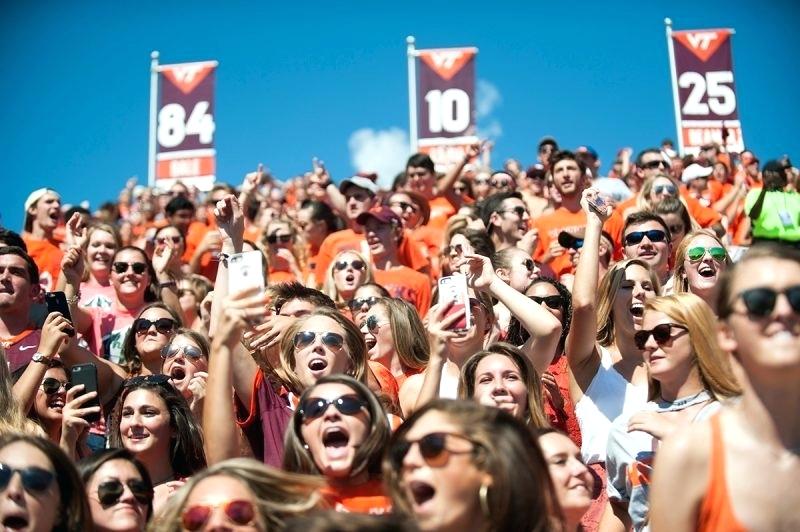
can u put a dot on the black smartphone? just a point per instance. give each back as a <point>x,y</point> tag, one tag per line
<point>86,374</point>
<point>57,302</point>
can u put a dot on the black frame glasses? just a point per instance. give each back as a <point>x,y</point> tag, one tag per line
<point>163,325</point>
<point>652,165</point>
<point>34,479</point>
<point>653,235</point>
<point>760,302</point>
<point>661,333</point>
<point>122,267</point>
<point>110,491</point>
<point>519,211</point>
<point>305,338</point>
<point>554,301</point>
<point>274,239</point>
<point>348,405</point>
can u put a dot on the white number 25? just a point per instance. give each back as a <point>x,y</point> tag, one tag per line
<point>721,98</point>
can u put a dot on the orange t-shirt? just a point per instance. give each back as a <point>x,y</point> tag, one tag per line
<point>717,509</point>
<point>367,498</point>
<point>280,276</point>
<point>441,211</point>
<point>194,236</point>
<point>334,243</point>
<point>47,255</point>
<point>386,381</point>
<point>405,283</point>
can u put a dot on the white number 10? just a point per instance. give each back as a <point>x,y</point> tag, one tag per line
<point>721,98</point>
<point>173,126</point>
<point>448,110</point>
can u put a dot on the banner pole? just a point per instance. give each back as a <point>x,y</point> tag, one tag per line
<point>151,144</point>
<point>412,93</point>
<point>675,94</point>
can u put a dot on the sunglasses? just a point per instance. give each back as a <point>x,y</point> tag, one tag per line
<point>458,249</point>
<point>652,165</point>
<point>164,239</point>
<point>163,325</point>
<point>169,351</point>
<point>314,407</point>
<point>519,211</point>
<point>51,385</point>
<point>661,333</point>
<point>274,239</point>
<point>760,302</point>
<point>110,491</point>
<point>373,324</point>
<point>34,479</point>
<point>343,264</point>
<point>121,267</point>
<point>432,447</point>
<point>500,184</point>
<point>404,206</point>
<point>717,253</point>
<point>238,511</point>
<point>306,338</point>
<point>529,265</point>
<point>359,302</point>
<point>665,189</point>
<point>459,190</point>
<point>553,302</point>
<point>675,229</point>
<point>653,235</point>
<point>140,380</point>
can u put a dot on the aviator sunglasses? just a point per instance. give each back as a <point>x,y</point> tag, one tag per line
<point>717,253</point>
<point>306,338</point>
<point>432,447</point>
<point>238,511</point>
<point>51,385</point>
<point>343,264</point>
<point>34,479</point>
<point>661,334</point>
<point>190,351</point>
<point>314,407</point>
<point>110,491</point>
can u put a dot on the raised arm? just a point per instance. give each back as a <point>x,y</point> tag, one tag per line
<point>445,185</point>
<point>72,270</point>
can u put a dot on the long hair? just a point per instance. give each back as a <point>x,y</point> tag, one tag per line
<point>278,495</point>
<point>186,445</point>
<point>88,466</point>
<point>354,346</point>
<point>151,292</point>
<point>712,365</point>
<point>368,455</point>
<point>408,333</point>
<point>73,513</point>
<point>534,415</point>
<point>517,335</point>
<point>131,359</point>
<point>680,281</point>
<point>607,292</point>
<point>93,228</point>
<point>13,418</point>
<point>329,286</point>
<point>521,496</point>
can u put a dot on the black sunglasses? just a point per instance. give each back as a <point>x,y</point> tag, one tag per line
<point>165,239</point>
<point>432,447</point>
<point>529,265</point>
<point>652,165</point>
<point>458,248</point>
<point>110,491</point>
<point>169,351</point>
<point>502,183</point>
<point>654,235</point>
<point>51,385</point>
<point>357,303</point>
<point>553,302</point>
<point>314,407</point>
<point>284,239</point>
<point>343,264</point>
<point>163,325</point>
<point>121,267</point>
<point>760,302</point>
<point>569,241</point>
<point>519,211</point>
<point>405,206</point>
<point>157,379</point>
<point>661,334</point>
<point>34,479</point>
<point>306,338</point>
<point>373,324</point>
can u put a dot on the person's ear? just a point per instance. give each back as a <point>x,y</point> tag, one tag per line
<point>494,219</point>
<point>726,337</point>
<point>503,273</point>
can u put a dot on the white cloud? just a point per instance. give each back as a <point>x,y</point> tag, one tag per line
<point>384,151</point>
<point>487,99</point>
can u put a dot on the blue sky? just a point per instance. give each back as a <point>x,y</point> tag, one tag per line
<point>300,79</point>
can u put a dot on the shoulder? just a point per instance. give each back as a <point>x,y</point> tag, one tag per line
<point>687,450</point>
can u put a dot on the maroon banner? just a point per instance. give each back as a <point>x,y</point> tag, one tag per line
<point>707,102</point>
<point>185,125</point>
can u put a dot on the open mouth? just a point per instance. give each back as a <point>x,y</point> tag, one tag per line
<point>350,278</point>
<point>317,364</point>
<point>637,309</point>
<point>56,403</point>
<point>421,492</point>
<point>177,373</point>
<point>706,271</point>
<point>15,522</point>
<point>335,437</point>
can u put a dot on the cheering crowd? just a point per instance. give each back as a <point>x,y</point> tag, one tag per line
<point>626,355</point>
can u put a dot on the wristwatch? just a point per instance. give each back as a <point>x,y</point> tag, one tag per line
<point>40,358</point>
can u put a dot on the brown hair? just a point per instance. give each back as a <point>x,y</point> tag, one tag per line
<point>607,292</point>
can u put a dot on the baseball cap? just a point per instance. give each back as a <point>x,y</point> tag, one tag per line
<point>33,197</point>
<point>383,214</point>
<point>360,182</point>
<point>587,150</point>
<point>693,171</point>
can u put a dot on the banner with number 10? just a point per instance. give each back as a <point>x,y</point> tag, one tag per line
<point>185,125</point>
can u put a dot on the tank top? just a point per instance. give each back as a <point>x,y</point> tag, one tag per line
<point>608,396</point>
<point>716,510</point>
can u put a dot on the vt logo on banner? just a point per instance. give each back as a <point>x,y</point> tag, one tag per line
<point>703,44</point>
<point>446,63</point>
<point>187,77</point>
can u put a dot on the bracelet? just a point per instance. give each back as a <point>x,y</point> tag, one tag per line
<point>168,284</point>
<point>73,300</point>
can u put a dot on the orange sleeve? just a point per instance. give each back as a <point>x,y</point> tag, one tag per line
<point>252,407</point>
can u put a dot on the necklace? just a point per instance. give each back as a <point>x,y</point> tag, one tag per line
<point>684,402</point>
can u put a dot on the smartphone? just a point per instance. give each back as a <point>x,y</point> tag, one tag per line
<point>245,271</point>
<point>57,302</point>
<point>86,374</point>
<point>597,205</point>
<point>454,288</point>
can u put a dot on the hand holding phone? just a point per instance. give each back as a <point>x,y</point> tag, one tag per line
<point>453,289</point>
<point>57,302</point>
<point>245,272</point>
<point>86,374</point>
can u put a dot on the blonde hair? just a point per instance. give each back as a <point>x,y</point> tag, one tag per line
<point>679,280</point>
<point>408,333</point>
<point>278,495</point>
<point>713,366</point>
<point>93,228</point>
<point>329,285</point>
<point>607,292</point>
<point>13,418</point>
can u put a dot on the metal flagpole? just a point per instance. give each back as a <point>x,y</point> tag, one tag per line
<point>151,145</point>
<point>675,95</point>
<point>412,93</point>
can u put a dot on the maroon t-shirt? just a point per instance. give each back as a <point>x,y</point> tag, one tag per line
<point>20,353</point>
<point>264,422</point>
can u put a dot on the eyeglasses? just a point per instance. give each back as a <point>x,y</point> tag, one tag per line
<point>163,239</point>
<point>163,325</point>
<point>359,302</point>
<point>458,249</point>
<point>661,334</point>
<point>51,385</point>
<point>675,229</point>
<point>652,165</point>
<point>404,206</point>
<point>433,448</point>
<point>519,211</point>
<point>306,338</point>
<point>553,302</point>
<point>343,264</point>
<point>502,183</point>
<point>140,380</point>
<point>760,302</point>
<point>717,253</point>
<point>314,407</point>
<point>653,235</point>
<point>121,267</point>
<point>284,239</point>
<point>373,324</point>
<point>169,351</point>
<point>34,479</point>
<point>238,511</point>
<point>110,491</point>
<point>665,189</point>
<point>529,265</point>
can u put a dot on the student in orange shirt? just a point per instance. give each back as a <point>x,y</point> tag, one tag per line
<point>42,217</point>
<point>315,221</point>
<point>279,241</point>
<point>384,230</point>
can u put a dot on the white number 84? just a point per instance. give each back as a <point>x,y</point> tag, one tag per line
<point>173,126</point>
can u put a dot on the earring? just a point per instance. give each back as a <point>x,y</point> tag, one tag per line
<point>483,496</point>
